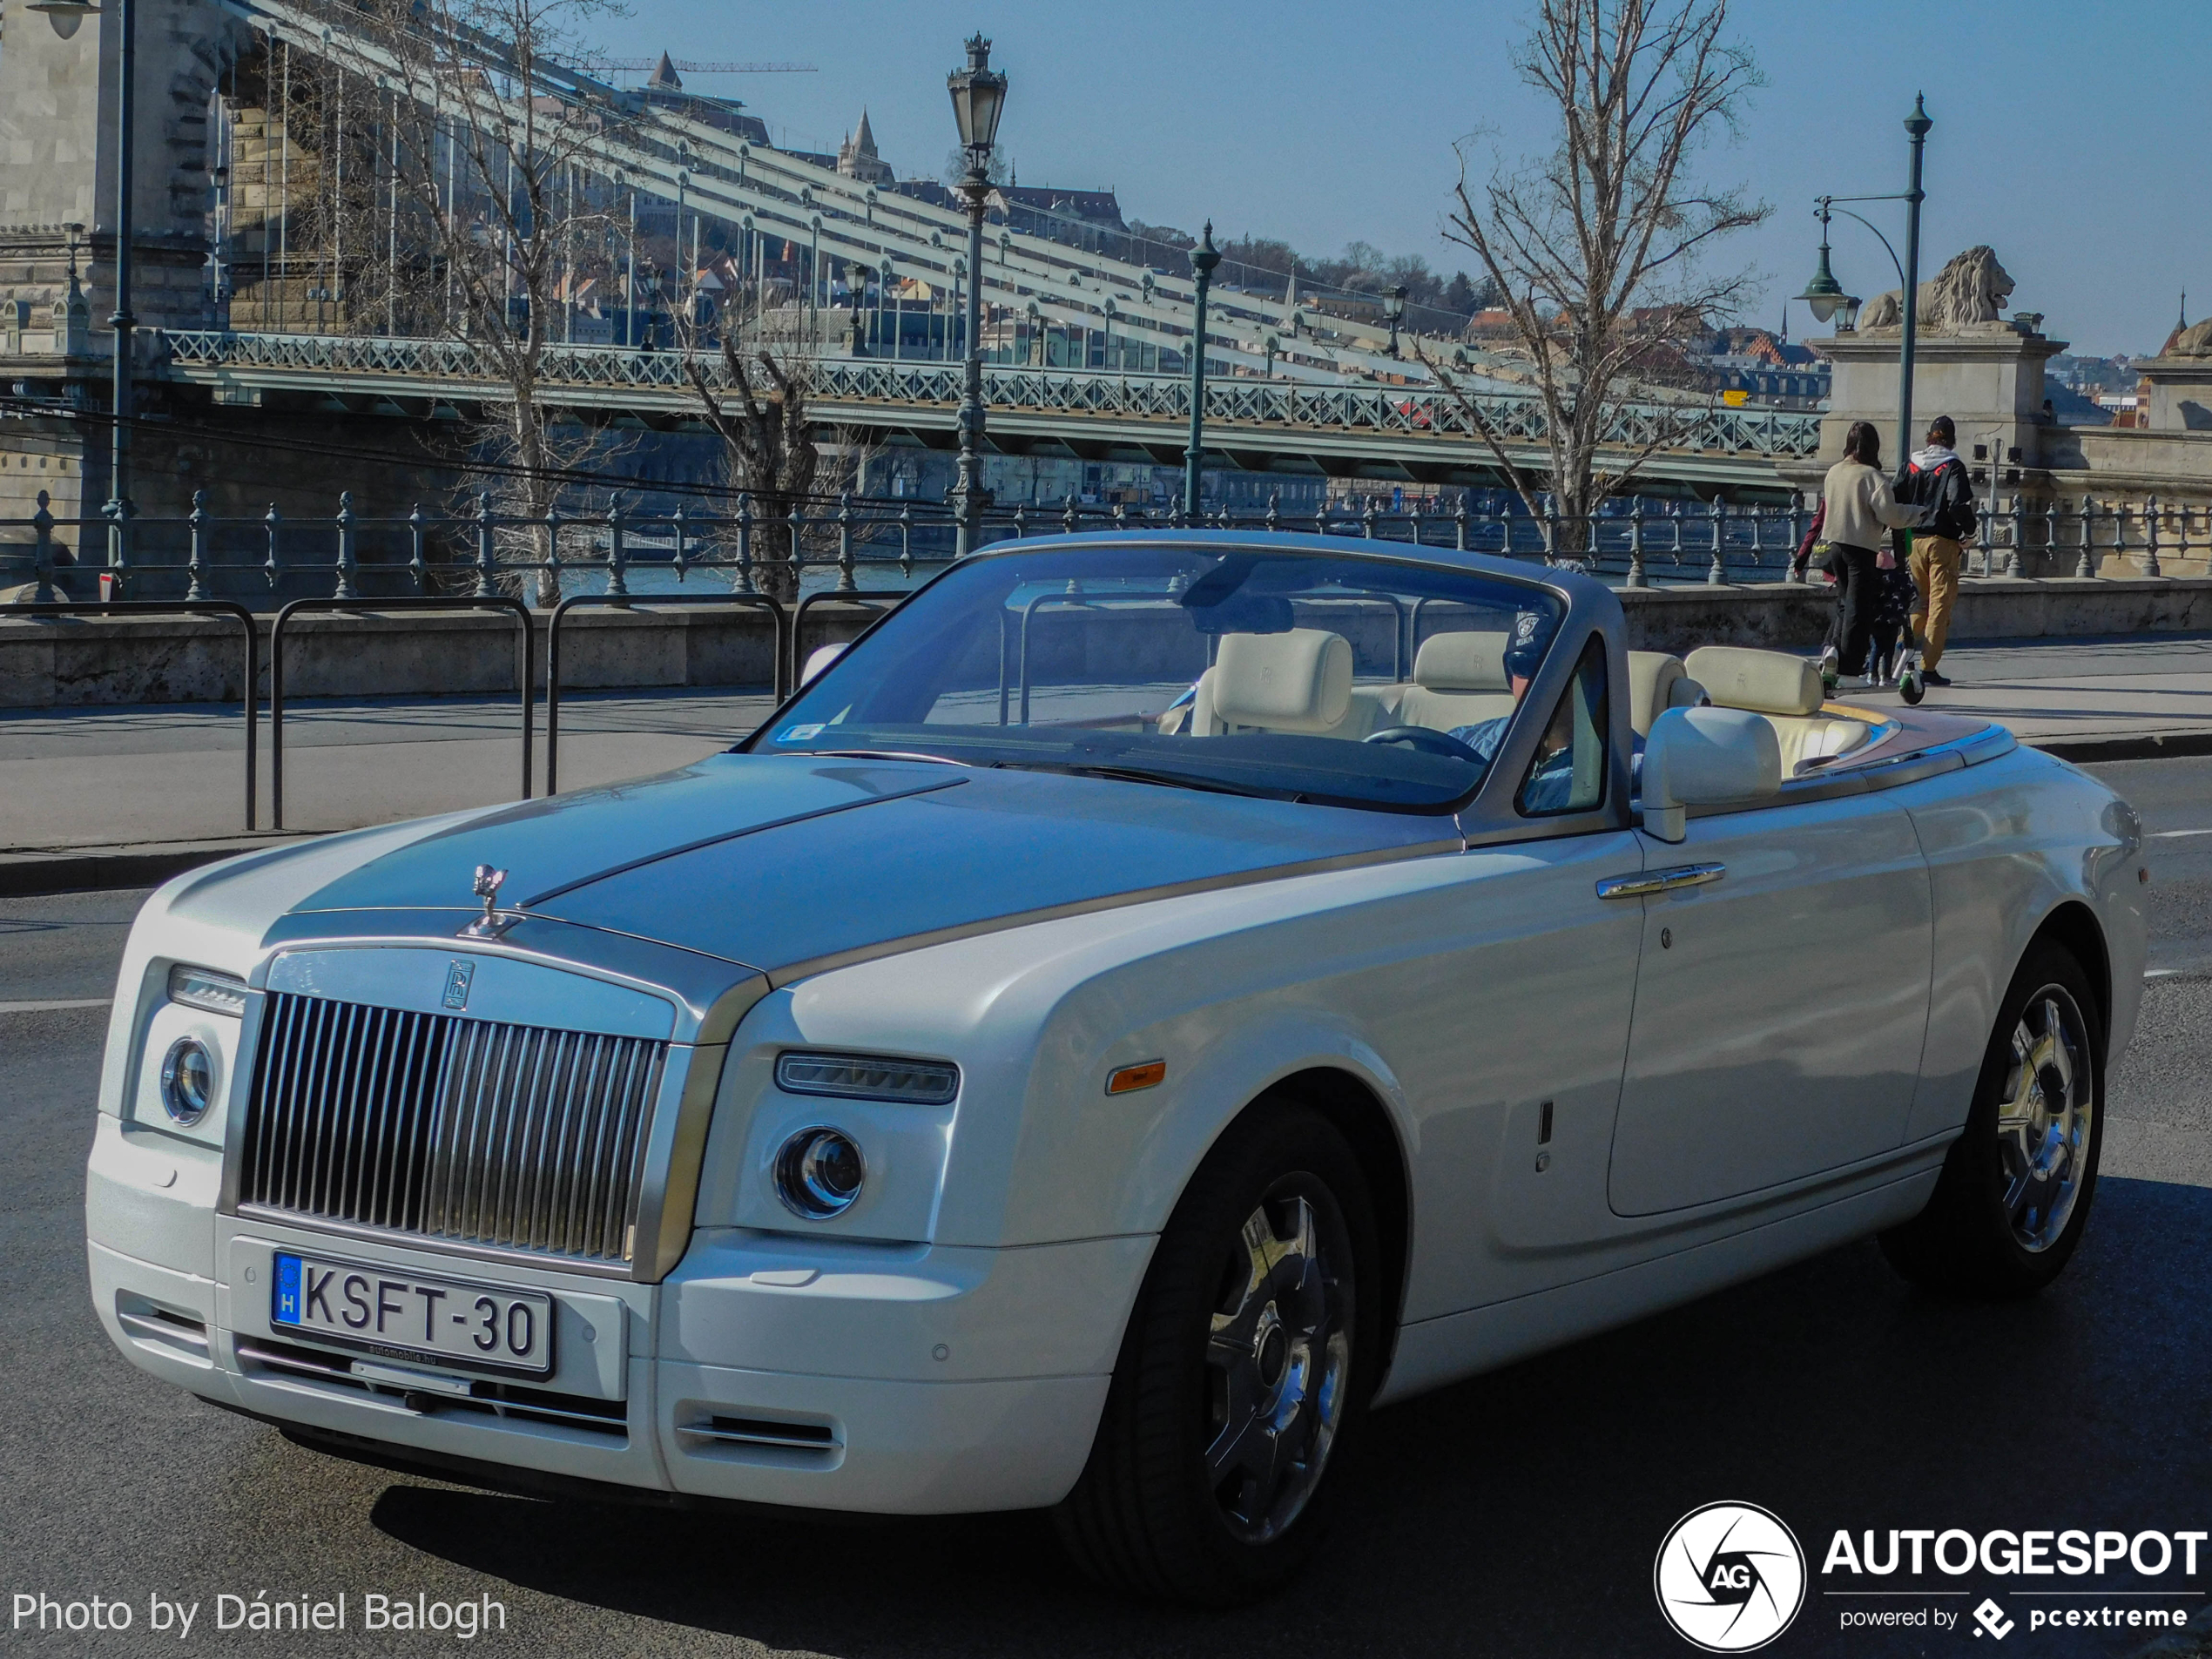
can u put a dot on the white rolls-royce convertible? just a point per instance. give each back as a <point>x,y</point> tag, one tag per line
<point>1151,1001</point>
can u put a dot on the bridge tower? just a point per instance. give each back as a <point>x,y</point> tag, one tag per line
<point>58,85</point>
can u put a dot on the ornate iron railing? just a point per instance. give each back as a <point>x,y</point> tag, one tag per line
<point>1231,401</point>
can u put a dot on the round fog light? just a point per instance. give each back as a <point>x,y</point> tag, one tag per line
<point>818,1173</point>
<point>188,1079</point>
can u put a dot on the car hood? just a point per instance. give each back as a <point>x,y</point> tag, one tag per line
<point>789,864</point>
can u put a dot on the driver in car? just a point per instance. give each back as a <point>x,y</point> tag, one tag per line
<point>1551,781</point>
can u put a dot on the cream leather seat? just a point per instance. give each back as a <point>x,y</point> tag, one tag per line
<point>1785,689</point>
<point>1658,682</point>
<point>1298,682</point>
<point>1459,679</point>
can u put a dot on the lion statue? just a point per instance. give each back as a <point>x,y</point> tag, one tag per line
<point>1973,288</point>
<point>2196,340</point>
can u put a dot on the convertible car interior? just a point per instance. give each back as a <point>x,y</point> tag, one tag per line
<point>1302,682</point>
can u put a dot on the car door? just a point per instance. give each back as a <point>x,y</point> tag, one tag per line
<point>1782,1001</point>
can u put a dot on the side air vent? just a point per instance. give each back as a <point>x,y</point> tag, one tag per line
<point>178,1335</point>
<point>793,1442</point>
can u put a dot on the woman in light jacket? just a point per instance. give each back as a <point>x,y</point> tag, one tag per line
<point>1860,508</point>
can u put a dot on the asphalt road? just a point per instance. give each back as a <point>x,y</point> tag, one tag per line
<point>1517,1513</point>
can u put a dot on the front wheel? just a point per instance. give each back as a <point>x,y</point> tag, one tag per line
<point>1244,1374</point>
<point>2013,1197</point>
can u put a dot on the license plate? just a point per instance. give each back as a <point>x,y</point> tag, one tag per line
<point>388,1311</point>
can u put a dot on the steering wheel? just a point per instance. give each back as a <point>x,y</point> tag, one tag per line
<point>1428,740</point>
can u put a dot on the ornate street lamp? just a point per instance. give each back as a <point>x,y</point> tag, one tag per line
<point>1394,308</point>
<point>1204,257</point>
<point>979,98</point>
<point>1825,297</point>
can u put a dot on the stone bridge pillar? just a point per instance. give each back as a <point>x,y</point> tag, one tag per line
<point>1990,381</point>
<point>57,170</point>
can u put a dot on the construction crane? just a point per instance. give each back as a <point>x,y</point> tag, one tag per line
<point>694,66</point>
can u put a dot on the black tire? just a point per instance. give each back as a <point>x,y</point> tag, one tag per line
<point>1146,1517</point>
<point>1975,1238</point>
<point>1912,688</point>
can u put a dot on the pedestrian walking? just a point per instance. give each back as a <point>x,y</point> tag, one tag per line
<point>1814,537</point>
<point>1937,482</point>
<point>1859,508</point>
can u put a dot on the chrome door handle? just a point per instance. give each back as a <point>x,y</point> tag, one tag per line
<point>1650,881</point>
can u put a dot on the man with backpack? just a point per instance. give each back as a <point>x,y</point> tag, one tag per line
<point>1937,480</point>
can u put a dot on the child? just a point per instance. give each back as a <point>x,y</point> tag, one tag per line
<point>1893,597</point>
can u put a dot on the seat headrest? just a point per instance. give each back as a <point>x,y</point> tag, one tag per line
<point>1652,678</point>
<point>1300,681</point>
<point>1462,662</point>
<point>1765,682</point>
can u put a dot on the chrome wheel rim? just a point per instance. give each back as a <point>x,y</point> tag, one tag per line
<point>1278,1361</point>
<point>2045,1118</point>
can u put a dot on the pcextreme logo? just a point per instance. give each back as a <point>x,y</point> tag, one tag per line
<point>1729,1577</point>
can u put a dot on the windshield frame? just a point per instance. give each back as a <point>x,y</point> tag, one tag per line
<point>1586,607</point>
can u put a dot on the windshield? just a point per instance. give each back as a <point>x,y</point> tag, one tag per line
<point>1266,671</point>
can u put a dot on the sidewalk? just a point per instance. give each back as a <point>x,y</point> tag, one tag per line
<point>2087,699</point>
<point>107,796</point>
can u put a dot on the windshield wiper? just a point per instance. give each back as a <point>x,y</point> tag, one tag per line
<point>885,754</point>
<point>1142,775</point>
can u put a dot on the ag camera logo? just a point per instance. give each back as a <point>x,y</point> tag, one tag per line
<point>1729,1577</point>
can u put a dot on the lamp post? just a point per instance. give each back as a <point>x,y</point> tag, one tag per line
<point>1394,307</point>
<point>979,98</point>
<point>1824,296</point>
<point>1204,257</point>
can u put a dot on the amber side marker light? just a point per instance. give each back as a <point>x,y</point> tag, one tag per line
<point>1129,1079</point>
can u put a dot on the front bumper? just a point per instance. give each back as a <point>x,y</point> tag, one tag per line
<point>767,1368</point>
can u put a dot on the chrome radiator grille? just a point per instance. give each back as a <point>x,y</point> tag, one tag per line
<point>510,1136</point>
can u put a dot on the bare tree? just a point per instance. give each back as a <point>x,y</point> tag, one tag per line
<point>1597,247</point>
<point>768,449</point>
<point>495,203</point>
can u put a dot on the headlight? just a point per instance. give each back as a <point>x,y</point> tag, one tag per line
<point>203,987</point>
<point>818,1173</point>
<point>188,1079</point>
<point>860,1076</point>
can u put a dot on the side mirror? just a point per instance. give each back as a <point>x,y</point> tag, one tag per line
<point>819,659</point>
<point>1702,758</point>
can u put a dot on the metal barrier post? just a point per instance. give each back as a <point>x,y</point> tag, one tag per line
<point>844,583</point>
<point>2088,564</point>
<point>1717,577</point>
<point>411,602</point>
<point>617,553</point>
<point>486,560</point>
<point>273,521</point>
<point>119,515</point>
<point>1636,578</point>
<point>196,562</point>
<point>250,687</point>
<point>2150,537</point>
<point>415,566</point>
<point>553,654</point>
<point>42,524</point>
<point>344,588</point>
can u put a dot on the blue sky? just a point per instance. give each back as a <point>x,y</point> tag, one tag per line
<point>2073,138</point>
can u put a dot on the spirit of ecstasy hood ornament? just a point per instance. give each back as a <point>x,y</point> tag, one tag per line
<point>491,924</point>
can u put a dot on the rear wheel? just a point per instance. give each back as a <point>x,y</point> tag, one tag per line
<point>1244,1374</point>
<point>2010,1206</point>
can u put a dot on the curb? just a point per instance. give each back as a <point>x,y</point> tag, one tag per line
<point>2156,745</point>
<point>29,875</point>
